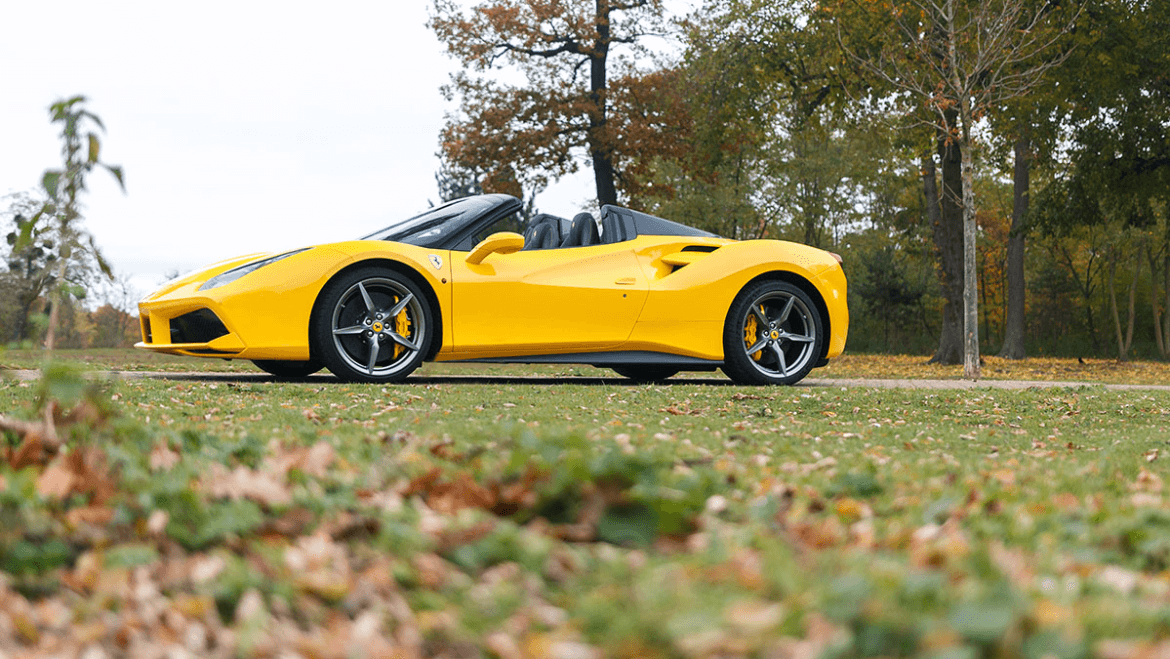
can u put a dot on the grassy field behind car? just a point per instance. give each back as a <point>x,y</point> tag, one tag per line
<point>233,517</point>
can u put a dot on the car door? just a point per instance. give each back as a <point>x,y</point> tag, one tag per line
<point>531,302</point>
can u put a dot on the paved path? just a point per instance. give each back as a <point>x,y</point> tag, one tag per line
<point>193,376</point>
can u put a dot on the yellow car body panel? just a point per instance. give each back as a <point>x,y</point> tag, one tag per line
<point>665,295</point>
<point>546,301</point>
<point>626,296</point>
<point>267,312</point>
<point>687,306</point>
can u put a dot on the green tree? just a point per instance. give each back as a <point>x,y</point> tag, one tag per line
<point>457,183</point>
<point>888,293</point>
<point>773,149</point>
<point>1115,178</point>
<point>963,59</point>
<point>61,214</point>
<point>30,267</point>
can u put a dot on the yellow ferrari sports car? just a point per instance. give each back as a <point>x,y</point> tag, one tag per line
<point>473,281</point>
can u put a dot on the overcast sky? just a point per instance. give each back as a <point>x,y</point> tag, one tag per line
<point>243,126</point>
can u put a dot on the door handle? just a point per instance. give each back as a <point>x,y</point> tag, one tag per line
<point>626,281</point>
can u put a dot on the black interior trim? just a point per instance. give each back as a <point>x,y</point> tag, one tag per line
<point>641,224</point>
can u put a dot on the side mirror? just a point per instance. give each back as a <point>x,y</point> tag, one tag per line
<point>504,242</point>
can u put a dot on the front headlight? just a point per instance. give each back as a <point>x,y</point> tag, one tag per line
<point>229,276</point>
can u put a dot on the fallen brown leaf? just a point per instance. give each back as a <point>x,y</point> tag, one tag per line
<point>245,483</point>
<point>39,438</point>
<point>162,458</point>
<point>96,515</point>
<point>56,481</point>
<point>682,409</point>
<point>312,461</point>
<point>82,471</point>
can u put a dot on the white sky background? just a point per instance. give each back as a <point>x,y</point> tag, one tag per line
<point>242,126</point>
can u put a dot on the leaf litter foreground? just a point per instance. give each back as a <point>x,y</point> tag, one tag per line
<point>330,520</point>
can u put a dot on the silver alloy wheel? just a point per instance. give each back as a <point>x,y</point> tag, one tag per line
<point>365,326</point>
<point>784,334</point>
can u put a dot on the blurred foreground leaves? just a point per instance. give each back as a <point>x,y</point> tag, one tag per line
<point>208,519</point>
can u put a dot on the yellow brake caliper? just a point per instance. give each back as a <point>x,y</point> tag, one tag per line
<point>402,327</point>
<point>751,334</point>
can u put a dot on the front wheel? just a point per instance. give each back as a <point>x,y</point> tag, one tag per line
<point>287,369</point>
<point>773,335</point>
<point>372,325</point>
<point>645,372</point>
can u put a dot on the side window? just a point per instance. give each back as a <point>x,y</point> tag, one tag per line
<point>512,222</point>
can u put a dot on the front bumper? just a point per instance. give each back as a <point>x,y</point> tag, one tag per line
<point>191,329</point>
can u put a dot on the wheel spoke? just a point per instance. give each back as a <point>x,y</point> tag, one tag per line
<point>366,298</point>
<point>780,357</point>
<point>759,313</point>
<point>757,347</point>
<point>799,338</point>
<point>787,309</point>
<point>373,354</point>
<point>352,329</point>
<point>403,341</point>
<point>393,313</point>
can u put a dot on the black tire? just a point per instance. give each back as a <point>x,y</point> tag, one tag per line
<point>372,325</point>
<point>288,369</point>
<point>645,372</point>
<point>786,332</point>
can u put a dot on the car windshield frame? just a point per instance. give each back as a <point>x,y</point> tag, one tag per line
<point>439,225</point>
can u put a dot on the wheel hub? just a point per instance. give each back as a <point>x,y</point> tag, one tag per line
<point>389,320</point>
<point>778,334</point>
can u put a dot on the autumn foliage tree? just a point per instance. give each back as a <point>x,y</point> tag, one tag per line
<point>580,92</point>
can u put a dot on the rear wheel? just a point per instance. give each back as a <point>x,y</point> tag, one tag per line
<point>773,335</point>
<point>287,369</point>
<point>645,372</point>
<point>372,325</point>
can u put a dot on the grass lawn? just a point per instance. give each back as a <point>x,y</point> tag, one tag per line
<point>847,366</point>
<point>223,518</point>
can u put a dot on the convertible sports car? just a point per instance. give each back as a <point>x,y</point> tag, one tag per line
<point>472,281</point>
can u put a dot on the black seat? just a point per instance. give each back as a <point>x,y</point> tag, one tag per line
<point>543,232</point>
<point>539,236</point>
<point>583,232</point>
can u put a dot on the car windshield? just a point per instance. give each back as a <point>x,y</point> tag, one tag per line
<point>432,226</point>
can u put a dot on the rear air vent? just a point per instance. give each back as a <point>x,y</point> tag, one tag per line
<point>700,248</point>
<point>199,326</point>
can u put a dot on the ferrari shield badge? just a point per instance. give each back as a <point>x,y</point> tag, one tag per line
<point>436,261</point>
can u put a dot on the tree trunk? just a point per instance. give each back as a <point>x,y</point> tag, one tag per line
<point>971,370</point>
<point>1159,310</point>
<point>1165,302</point>
<point>55,307</point>
<point>1113,308</point>
<point>600,149</point>
<point>1085,287</point>
<point>1137,274</point>
<point>1124,340</point>
<point>946,218</point>
<point>1013,335</point>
